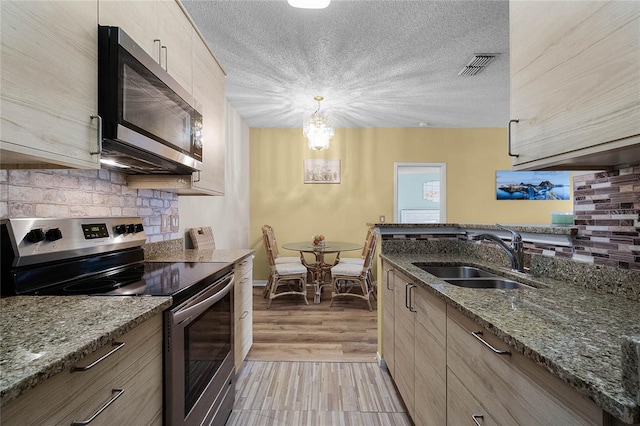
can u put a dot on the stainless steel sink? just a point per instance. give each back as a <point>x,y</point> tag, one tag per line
<point>470,277</point>
<point>495,282</point>
<point>454,271</point>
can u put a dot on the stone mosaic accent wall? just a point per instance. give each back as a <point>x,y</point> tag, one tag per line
<point>83,193</point>
<point>607,214</point>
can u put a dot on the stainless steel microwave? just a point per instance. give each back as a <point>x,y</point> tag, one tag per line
<point>150,124</point>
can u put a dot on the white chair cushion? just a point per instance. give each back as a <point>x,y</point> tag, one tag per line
<point>346,269</point>
<point>290,268</point>
<point>287,260</point>
<point>353,261</point>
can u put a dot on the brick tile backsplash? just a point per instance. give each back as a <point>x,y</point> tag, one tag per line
<point>83,193</point>
<point>607,214</point>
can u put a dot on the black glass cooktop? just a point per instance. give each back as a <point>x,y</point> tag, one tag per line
<point>144,279</point>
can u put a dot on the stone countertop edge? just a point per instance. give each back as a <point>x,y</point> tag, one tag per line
<point>41,336</point>
<point>572,332</point>
<point>204,256</point>
<point>533,229</point>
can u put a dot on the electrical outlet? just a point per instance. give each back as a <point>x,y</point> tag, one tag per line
<point>381,219</point>
<point>175,223</point>
<point>166,223</point>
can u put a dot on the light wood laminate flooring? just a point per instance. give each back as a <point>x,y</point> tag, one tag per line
<point>314,365</point>
<point>293,331</point>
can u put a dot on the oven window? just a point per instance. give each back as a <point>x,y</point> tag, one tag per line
<point>207,342</point>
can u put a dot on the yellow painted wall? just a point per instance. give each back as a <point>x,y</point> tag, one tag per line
<point>296,211</point>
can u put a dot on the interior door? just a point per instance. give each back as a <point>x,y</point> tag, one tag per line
<point>420,193</point>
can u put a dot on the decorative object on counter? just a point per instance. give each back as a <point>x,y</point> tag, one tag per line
<point>532,185</point>
<point>317,128</point>
<point>562,218</point>
<point>321,171</point>
<point>202,238</point>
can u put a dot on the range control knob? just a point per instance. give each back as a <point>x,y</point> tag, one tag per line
<point>120,229</point>
<point>53,234</point>
<point>130,229</point>
<point>34,236</point>
<point>139,227</point>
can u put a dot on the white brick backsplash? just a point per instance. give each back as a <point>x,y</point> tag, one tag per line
<point>51,210</point>
<point>83,193</point>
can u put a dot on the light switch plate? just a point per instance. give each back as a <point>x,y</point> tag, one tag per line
<point>175,222</point>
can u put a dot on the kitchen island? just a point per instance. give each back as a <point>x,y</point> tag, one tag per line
<point>571,329</point>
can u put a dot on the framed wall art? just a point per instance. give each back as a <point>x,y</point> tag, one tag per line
<point>321,171</point>
<point>533,185</point>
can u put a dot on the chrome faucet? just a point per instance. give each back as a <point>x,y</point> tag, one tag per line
<point>514,250</point>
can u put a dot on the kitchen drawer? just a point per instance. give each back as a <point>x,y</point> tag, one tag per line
<point>462,407</point>
<point>244,266</point>
<point>243,333</point>
<point>136,367</point>
<point>511,388</point>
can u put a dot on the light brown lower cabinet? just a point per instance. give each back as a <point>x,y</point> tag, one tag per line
<point>419,351</point>
<point>507,389</point>
<point>243,310</point>
<point>388,308</point>
<point>130,377</point>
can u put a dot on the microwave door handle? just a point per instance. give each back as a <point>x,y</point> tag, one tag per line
<point>202,306</point>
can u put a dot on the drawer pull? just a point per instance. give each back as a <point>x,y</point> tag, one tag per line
<point>477,417</point>
<point>411,308</point>
<point>118,393</point>
<point>478,334</point>
<point>244,315</point>
<point>244,280</point>
<point>117,347</point>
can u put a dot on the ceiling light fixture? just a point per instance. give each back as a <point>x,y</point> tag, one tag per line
<point>309,4</point>
<point>317,128</point>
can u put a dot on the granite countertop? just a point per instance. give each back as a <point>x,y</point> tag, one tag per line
<point>575,333</point>
<point>192,255</point>
<point>41,336</point>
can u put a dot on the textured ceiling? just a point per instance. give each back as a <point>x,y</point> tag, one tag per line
<point>378,63</point>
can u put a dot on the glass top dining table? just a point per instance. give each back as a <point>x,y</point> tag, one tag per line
<point>320,269</point>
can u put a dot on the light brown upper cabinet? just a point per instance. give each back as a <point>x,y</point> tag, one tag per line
<point>48,90</point>
<point>575,68</point>
<point>161,28</point>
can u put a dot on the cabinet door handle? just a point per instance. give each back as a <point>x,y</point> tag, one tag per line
<point>477,417</point>
<point>166,59</point>
<point>244,315</point>
<point>99,141</point>
<point>411,298</point>
<point>117,347</point>
<point>510,153</point>
<point>406,295</point>
<point>388,270</point>
<point>118,393</point>
<point>478,335</point>
<point>157,40</point>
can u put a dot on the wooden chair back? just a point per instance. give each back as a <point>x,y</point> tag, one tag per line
<point>268,232</point>
<point>266,237</point>
<point>371,249</point>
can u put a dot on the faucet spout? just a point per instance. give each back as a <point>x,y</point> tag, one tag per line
<point>514,249</point>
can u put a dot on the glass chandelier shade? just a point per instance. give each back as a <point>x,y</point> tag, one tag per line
<point>317,128</point>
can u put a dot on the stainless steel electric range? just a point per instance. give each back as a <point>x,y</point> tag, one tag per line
<point>104,257</point>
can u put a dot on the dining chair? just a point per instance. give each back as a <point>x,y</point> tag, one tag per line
<point>269,239</point>
<point>290,278</point>
<point>365,249</point>
<point>353,280</point>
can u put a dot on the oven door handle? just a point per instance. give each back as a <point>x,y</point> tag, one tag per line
<point>202,302</point>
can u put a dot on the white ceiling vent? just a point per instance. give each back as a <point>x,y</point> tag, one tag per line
<point>477,63</point>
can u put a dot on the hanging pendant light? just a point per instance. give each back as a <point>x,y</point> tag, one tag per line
<point>317,128</point>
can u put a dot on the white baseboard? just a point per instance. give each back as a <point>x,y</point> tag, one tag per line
<point>259,283</point>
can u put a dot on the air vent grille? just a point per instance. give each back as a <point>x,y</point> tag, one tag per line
<point>477,63</point>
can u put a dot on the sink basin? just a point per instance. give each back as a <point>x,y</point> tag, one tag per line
<point>454,271</point>
<point>495,282</point>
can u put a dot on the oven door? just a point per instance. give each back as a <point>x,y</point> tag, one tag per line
<point>199,365</point>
